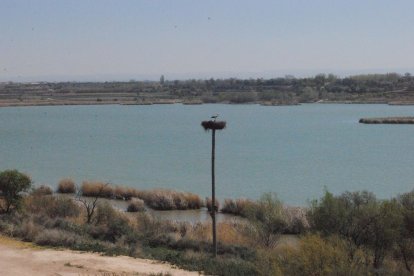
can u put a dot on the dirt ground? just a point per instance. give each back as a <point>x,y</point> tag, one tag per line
<point>20,258</point>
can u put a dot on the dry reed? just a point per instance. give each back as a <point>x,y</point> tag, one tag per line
<point>208,204</point>
<point>66,186</point>
<point>96,189</point>
<point>162,199</point>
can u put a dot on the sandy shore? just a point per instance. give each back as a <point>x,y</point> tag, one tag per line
<point>20,258</point>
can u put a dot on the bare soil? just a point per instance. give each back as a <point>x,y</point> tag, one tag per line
<point>20,258</point>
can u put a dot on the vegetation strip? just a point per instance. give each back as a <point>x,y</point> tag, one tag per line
<point>388,120</point>
<point>353,233</point>
<point>370,88</point>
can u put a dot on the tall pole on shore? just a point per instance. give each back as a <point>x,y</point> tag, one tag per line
<point>213,125</point>
<point>213,191</point>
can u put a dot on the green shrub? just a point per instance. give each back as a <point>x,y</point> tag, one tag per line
<point>319,256</point>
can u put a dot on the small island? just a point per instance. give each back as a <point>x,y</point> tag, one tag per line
<point>388,120</point>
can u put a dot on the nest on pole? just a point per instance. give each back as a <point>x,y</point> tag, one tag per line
<point>216,125</point>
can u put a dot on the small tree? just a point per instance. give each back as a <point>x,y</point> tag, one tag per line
<point>90,204</point>
<point>12,184</point>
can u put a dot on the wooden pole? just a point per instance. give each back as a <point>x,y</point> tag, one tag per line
<point>213,191</point>
<point>213,125</point>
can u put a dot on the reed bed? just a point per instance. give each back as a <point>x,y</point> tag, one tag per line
<point>158,199</point>
<point>209,205</point>
<point>66,186</point>
<point>124,193</point>
<point>97,189</point>
<point>162,199</point>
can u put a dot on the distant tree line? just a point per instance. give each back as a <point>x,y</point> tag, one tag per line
<point>281,90</point>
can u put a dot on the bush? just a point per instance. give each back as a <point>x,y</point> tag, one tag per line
<point>66,186</point>
<point>12,184</point>
<point>296,219</point>
<point>136,205</point>
<point>28,230</point>
<point>237,207</point>
<point>110,224</point>
<point>54,237</point>
<point>42,191</point>
<point>52,206</point>
<point>318,256</point>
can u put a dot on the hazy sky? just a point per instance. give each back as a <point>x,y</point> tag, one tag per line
<point>98,40</point>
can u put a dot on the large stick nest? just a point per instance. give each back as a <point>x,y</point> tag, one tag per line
<point>216,125</point>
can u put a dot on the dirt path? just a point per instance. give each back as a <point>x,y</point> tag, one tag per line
<point>19,258</point>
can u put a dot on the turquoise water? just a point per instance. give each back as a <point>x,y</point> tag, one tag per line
<point>294,151</point>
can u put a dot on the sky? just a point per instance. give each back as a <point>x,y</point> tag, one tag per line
<point>101,40</point>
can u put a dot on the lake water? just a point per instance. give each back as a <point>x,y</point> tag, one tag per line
<point>294,151</point>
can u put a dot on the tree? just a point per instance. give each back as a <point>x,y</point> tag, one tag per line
<point>405,243</point>
<point>361,219</point>
<point>12,184</point>
<point>90,204</point>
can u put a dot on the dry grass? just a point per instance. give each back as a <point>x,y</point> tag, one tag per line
<point>66,186</point>
<point>230,234</point>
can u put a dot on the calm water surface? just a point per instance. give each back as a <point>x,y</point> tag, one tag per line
<point>294,151</point>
